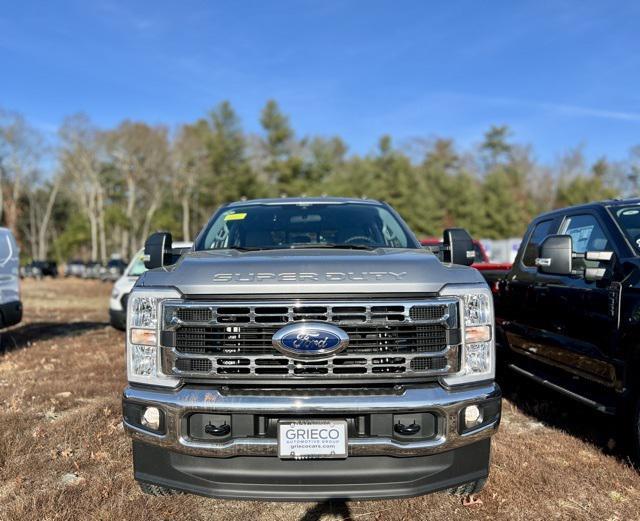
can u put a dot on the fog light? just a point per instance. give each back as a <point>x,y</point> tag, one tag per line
<point>472,416</point>
<point>151,418</point>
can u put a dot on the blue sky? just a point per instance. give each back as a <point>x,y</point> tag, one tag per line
<point>560,73</point>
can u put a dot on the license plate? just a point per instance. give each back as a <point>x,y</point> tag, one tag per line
<point>312,439</point>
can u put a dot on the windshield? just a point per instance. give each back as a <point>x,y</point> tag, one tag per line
<point>137,265</point>
<point>628,218</point>
<point>306,225</point>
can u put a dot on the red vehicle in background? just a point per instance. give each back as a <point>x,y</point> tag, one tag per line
<point>492,271</point>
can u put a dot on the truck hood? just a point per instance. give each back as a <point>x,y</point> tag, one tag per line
<point>309,271</point>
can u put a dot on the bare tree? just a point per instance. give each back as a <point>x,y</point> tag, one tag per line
<point>29,232</point>
<point>37,204</point>
<point>191,162</point>
<point>79,159</point>
<point>20,152</point>
<point>141,154</point>
<point>43,243</point>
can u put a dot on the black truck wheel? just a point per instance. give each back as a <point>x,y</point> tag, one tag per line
<point>157,490</point>
<point>473,487</point>
<point>635,433</point>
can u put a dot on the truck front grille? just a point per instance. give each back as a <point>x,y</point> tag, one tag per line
<point>386,339</point>
<point>362,339</point>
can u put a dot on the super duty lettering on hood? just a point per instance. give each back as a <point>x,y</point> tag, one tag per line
<point>300,277</point>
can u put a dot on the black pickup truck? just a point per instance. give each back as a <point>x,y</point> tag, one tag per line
<point>568,312</point>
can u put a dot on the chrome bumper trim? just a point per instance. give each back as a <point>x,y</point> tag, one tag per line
<point>446,403</point>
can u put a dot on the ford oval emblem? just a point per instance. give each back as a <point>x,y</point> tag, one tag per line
<point>310,340</point>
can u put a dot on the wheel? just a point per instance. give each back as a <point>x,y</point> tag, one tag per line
<point>157,490</point>
<point>118,324</point>
<point>473,487</point>
<point>118,319</point>
<point>635,433</point>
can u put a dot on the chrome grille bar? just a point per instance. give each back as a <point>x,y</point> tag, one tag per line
<point>178,313</point>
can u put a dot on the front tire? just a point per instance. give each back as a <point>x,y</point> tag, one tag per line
<point>635,433</point>
<point>118,320</point>
<point>157,490</point>
<point>473,487</point>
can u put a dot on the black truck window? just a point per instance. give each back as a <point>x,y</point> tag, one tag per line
<point>540,231</point>
<point>586,232</point>
<point>628,218</point>
<point>587,235</point>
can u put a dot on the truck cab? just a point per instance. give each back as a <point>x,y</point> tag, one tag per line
<point>309,349</point>
<point>568,313</point>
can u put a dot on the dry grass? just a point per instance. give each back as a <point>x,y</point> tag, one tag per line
<point>60,385</point>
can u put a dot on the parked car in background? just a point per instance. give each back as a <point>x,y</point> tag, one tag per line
<point>74,268</point>
<point>92,270</point>
<point>123,286</point>
<point>493,272</point>
<point>40,269</point>
<point>113,270</point>
<point>568,312</point>
<point>10,304</point>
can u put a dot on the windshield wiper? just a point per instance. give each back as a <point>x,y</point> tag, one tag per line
<point>338,246</point>
<point>327,245</point>
<point>247,248</point>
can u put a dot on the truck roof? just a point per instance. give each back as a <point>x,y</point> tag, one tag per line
<point>303,200</point>
<point>592,205</point>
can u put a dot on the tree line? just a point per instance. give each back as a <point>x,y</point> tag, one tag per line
<point>95,192</point>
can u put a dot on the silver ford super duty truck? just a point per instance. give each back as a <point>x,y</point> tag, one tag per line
<point>310,349</point>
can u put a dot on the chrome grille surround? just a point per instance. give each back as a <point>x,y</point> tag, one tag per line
<point>389,339</point>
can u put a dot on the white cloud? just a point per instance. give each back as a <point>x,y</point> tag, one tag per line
<point>558,108</point>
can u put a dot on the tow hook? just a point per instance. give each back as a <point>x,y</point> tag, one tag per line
<point>214,430</point>
<point>407,430</point>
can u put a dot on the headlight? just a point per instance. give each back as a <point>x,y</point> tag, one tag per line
<point>143,334</point>
<point>477,361</point>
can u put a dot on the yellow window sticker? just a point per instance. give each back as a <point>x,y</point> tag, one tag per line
<point>235,217</point>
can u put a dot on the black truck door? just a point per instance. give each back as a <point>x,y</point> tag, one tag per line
<point>579,325</point>
<point>519,313</point>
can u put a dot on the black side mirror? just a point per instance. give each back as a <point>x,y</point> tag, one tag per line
<point>458,247</point>
<point>157,250</point>
<point>556,255</point>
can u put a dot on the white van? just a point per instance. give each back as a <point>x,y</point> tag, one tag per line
<point>123,286</point>
<point>10,304</point>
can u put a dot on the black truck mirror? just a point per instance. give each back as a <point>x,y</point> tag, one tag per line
<point>556,255</point>
<point>458,247</point>
<point>157,250</point>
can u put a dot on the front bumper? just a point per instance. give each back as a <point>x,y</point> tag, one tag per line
<point>178,405</point>
<point>273,479</point>
<point>248,467</point>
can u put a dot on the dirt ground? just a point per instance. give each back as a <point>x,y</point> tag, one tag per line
<point>64,455</point>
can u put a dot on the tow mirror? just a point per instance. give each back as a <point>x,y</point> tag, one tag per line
<point>595,274</point>
<point>157,250</point>
<point>556,258</point>
<point>601,256</point>
<point>458,247</point>
<point>556,255</point>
